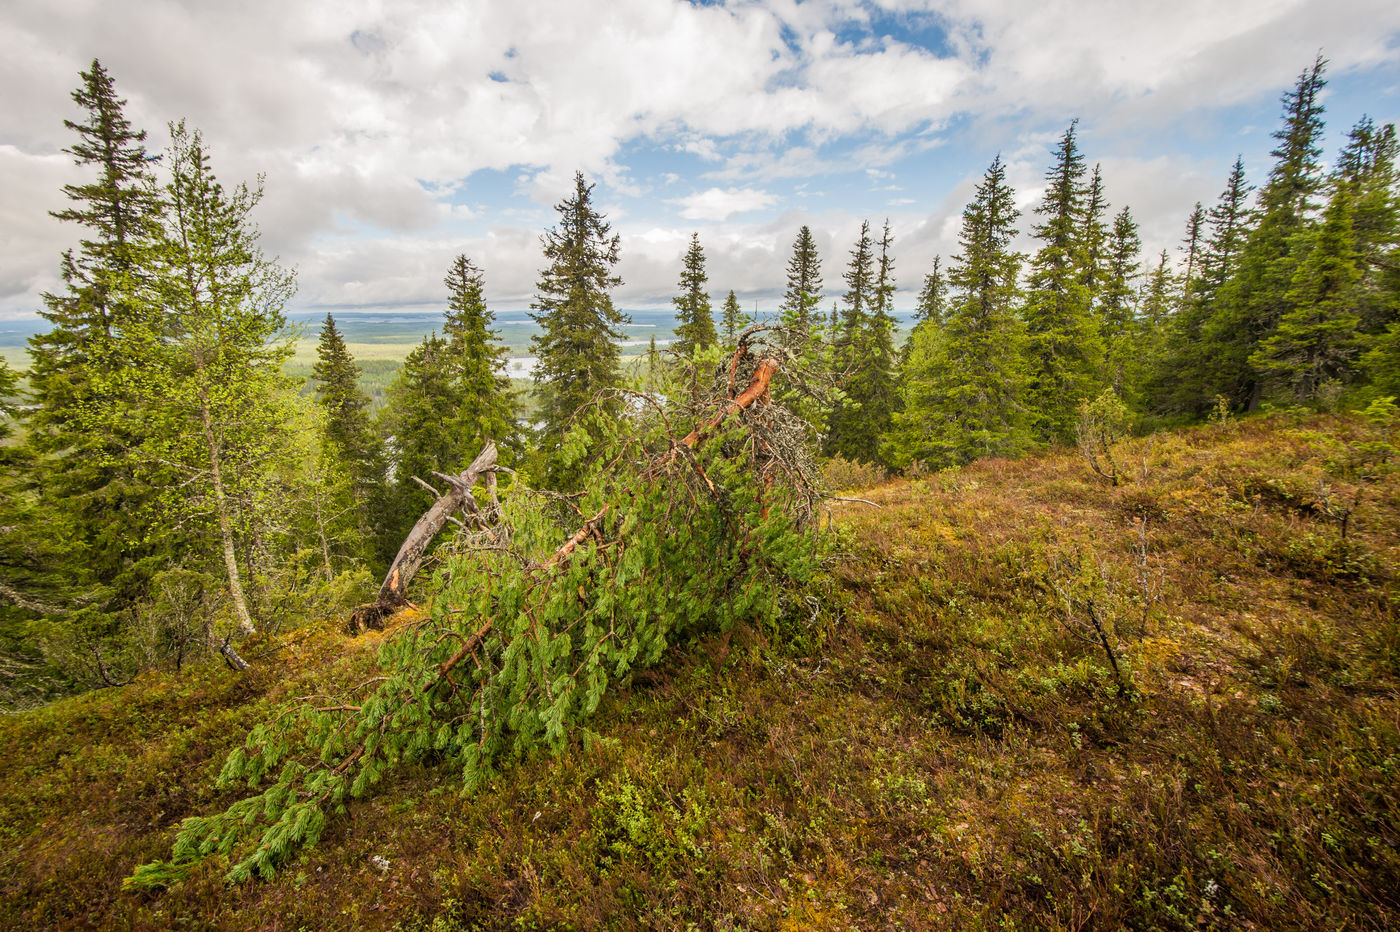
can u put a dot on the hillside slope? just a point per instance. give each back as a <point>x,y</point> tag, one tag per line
<point>929,741</point>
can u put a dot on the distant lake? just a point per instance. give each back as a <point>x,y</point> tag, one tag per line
<point>514,328</point>
<point>394,330</point>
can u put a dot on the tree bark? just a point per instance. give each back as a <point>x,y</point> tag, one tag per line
<point>393,592</point>
<point>235,584</point>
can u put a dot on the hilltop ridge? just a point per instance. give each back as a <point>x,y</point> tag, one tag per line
<point>936,739</point>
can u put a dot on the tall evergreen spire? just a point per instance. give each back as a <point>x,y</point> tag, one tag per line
<point>485,404</point>
<point>83,420</point>
<point>800,311</point>
<point>734,319</point>
<point>577,346</point>
<point>695,322</point>
<point>1192,243</point>
<point>933,297</point>
<point>1317,339</point>
<point>1249,307</point>
<point>846,435</point>
<point>1066,347</point>
<point>348,435</point>
<point>870,378</point>
<point>964,385</point>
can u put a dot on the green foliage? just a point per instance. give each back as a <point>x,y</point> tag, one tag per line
<point>751,778</point>
<point>965,383</point>
<point>1102,423</point>
<point>411,422</point>
<point>1194,243</point>
<point>1122,346</point>
<point>1182,377</point>
<point>9,398</point>
<point>1382,360</point>
<point>347,434</point>
<point>802,300</point>
<point>523,639</point>
<point>1249,307</point>
<point>933,297</point>
<point>842,474</point>
<point>1093,237</point>
<point>484,408</point>
<point>1065,342</point>
<point>865,357</point>
<point>215,405</point>
<point>805,333</point>
<point>89,491</point>
<point>576,348</point>
<point>446,402</point>
<point>1367,170</point>
<point>734,320</point>
<point>1316,340</point>
<point>695,325</point>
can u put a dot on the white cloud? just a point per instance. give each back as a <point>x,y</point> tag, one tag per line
<point>370,117</point>
<point>723,203</point>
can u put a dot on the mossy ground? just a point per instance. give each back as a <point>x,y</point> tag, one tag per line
<point>925,743</point>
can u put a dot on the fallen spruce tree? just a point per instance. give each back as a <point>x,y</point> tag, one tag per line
<point>538,606</point>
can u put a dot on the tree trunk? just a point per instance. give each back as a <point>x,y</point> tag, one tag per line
<point>235,584</point>
<point>393,593</point>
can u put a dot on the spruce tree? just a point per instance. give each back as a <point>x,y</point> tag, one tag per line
<point>965,384</point>
<point>576,348</point>
<point>1317,339</point>
<point>1093,237</point>
<point>1250,305</point>
<point>1066,346</point>
<point>118,211</point>
<point>9,397</point>
<point>484,407</point>
<point>1367,168</point>
<point>847,434</point>
<point>1382,360</point>
<point>347,433</point>
<point>1193,241</point>
<point>1158,311</point>
<point>418,406</point>
<point>1229,225</point>
<point>734,320</point>
<point>805,332</point>
<point>347,424</point>
<point>1116,305</point>
<point>1181,379</point>
<point>80,427</point>
<point>933,297</point>
<point>695,324</point>
<point>931,307</point>
<point>799,310</point>
<point>860,284</point>
<point>871,377</point>
<point>39,577</point>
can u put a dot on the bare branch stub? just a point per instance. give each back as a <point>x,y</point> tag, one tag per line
<point>393,593</point>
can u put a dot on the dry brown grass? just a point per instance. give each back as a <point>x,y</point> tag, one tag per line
<point>935,750</point>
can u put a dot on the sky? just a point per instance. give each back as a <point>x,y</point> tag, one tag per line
<point>393,136</point>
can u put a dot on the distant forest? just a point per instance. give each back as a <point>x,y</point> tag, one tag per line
<point>168,490</point>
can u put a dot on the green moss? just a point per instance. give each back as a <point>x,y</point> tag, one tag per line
<point>930,745</point>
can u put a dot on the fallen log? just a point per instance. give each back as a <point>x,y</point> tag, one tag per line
<point>393,592</point>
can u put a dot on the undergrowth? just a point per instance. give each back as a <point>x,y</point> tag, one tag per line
<point>919,738</point>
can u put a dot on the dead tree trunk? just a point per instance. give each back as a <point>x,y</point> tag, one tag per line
<point>393,593</point>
